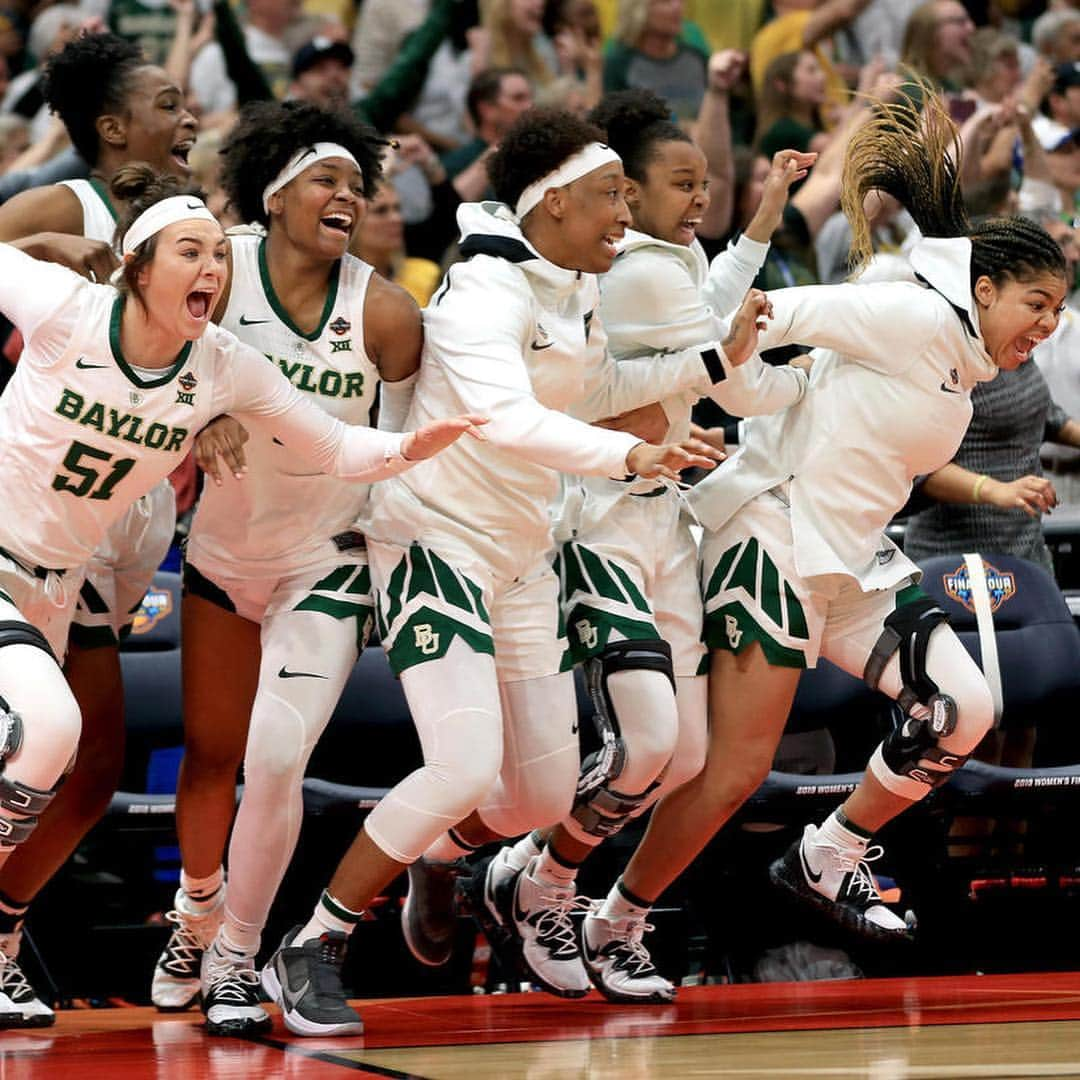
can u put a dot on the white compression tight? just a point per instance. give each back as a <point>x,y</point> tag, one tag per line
<point>287,719</point>
<point>34,687</point>
<point>509,749</point>
<point>665,735</point>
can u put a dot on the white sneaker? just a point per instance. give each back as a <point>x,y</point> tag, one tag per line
<point>176,974</point>
<point>838,881</point>
<point>618,963</point>
<point>230,994</point>
<point>543,919</point>
<point>20,1007</point>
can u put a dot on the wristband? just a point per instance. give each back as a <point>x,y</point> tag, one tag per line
<point>977,488</point>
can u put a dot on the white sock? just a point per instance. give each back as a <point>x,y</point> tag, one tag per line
<point>547,869</point>
<point>448,848</point>
<point>239,937</point>
<point>616,905</point>
<point>329,915</point>
<point>201,894</point>
<point>518,855</point>
<point>840,834</point>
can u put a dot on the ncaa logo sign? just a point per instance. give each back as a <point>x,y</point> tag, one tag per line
<point>156,604</point>
<point>1000,584</point>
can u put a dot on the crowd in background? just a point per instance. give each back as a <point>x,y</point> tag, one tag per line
<point>446,78</point>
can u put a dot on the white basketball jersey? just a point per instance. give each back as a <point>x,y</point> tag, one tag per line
<point>82,434</point>
<point>281,516</point>
<point>99,218</point>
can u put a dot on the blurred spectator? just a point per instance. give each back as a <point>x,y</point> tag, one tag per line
<point>14,139</point>
<point>50,31</point>
<point>1059,360</point>
<point>992,495</point>
<point>789,106</point>
<point>516,38</point>
<point>1056,35</point>
<point>1063,101</point>
<point>265,37</point>
<point>496,98</point>
<point>891,232</point>
<point>381,27</point>
<point>1063,159</point>
<point>150,24</point>
<point>728,25</point>
<point>574,28</point>
<point>994,73</point>
<point>654,49</point>
<point>380,241</point>
<point>937,42</point>
<point>879,31</point>
<point>805,24</point>
<point>320,73</point>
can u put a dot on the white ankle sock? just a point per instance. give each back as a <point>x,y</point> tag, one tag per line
<point>547,870</point>
<point>329,915</point>
<point>239,937</point>
<point>616,906</point>
<point>201,894</point>
<point>518,855</point>
<point>840,835</point>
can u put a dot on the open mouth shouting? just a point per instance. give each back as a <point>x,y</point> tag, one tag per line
<point>181,152</point>
<point>199,304</point>
<point>339,222</point>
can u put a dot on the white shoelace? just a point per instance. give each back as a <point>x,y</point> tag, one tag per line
<point>12,979</point>
<point>230,982</point>
<point>555,923</point>
<point>186,944</point>
<point>862,879</point>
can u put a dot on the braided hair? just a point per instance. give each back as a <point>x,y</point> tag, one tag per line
<point>915,157</point>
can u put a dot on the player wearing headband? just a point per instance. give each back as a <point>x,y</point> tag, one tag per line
<point>116,109</point>
<point>275,577</point>
<point>467,601</point>
<point>112,386</point>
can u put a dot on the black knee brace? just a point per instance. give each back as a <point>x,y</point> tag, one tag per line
<point>599,808</point>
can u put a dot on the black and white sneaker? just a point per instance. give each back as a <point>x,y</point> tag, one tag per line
<point>176,975</point>
<point>488,894</point>
<point>20,1007</point>
<point>839,883</point>
<point>230,994</point>
<point>543,920</point>
<point>618,962</point>
<point>429,917</point>
<point>305,981</point>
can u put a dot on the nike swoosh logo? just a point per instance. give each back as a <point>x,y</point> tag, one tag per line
<point>251,322</point>
<point>815,878</point>
<point>86,367</point>
<point>284,673</point>
<point>949,389</point>
<point>294,997</point>
<point>519,915</point>
<point>539,348</point>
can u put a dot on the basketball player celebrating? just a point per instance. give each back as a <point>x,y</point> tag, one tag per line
<point>631,600</point>
<point>468,612</point>
<point>117,109</point>
<point>275,578</point>
<point>111,388</point>
<point>794,561</point>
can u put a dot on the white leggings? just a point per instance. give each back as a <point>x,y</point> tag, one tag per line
<point>33,686</point>
<point>507,749</point>
<point>287,719</point>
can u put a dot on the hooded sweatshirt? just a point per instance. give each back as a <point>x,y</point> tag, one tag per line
<point>889,399</point>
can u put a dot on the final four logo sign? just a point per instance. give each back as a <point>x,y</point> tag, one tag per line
<point>1000,584</point>
<point>156,604</point>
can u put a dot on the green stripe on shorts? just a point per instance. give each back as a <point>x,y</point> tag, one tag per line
<point>427,634</point>
<point>589,631</point>
<point>732,628</point>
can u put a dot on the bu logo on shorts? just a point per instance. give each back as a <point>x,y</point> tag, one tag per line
<point>731,628</point>
<point>587,633</point>
<point>426,640</point>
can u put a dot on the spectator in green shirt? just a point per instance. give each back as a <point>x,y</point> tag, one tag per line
<point>789,108</point>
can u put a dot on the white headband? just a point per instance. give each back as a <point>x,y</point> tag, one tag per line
<point>573,168</point>
<point>304,159</point>
<point>155,218</point>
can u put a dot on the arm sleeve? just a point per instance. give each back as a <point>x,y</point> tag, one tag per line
<point>477,337</point>
<point>731,274</point>
<point>257,393</point>
<point>884,326</point>
<point>43,300</point>
<point>394,401</point>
